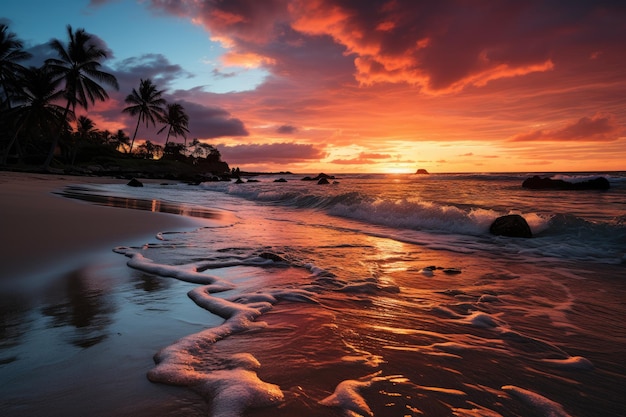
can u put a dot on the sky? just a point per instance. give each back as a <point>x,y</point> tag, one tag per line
<point>385,86</point>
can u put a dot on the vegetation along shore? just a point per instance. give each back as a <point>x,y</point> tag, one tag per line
<point>40,129</point>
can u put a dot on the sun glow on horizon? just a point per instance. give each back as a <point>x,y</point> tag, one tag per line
<point>397,170</point>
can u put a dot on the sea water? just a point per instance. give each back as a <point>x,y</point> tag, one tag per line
<point>374,295</point>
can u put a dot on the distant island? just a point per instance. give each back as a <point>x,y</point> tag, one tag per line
<point>422,171</point>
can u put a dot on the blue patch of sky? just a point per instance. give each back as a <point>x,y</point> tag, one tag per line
<point>130,31</point>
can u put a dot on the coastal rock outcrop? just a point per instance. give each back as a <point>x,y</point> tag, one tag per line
<point>538,183</point>
<point>135,183</point>
<point>323,181</point>
<point>422,171</point>
<point>512,225</point>
<point>319,177</point>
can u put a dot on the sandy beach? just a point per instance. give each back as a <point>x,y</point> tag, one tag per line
<point>301,302</point>
<point>67,331</point>
<point>46,229</point>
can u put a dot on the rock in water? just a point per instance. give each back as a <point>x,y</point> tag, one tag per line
<point>421,171</point>
<point>512,225</point>
<point>135,183</point>
<point>538,183</point>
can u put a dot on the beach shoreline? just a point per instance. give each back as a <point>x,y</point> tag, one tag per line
<point>42,229</point>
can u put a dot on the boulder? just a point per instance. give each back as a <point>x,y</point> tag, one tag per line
<point>512,225</point>
<point>135,183</point>
<point>239,181</point>
<point>323,181</point>
<point>280,180</point>
<point>319,177</point>
<point>538,183</point>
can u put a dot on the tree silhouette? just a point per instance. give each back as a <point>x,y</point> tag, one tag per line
<point>11,53</point>
<point>176,121</point>
<point>78,66</point>
<point>35,109</point>
<point>121,140</point>
<point>145,103</point>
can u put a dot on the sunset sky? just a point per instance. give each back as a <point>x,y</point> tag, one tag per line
<point>366,86</point>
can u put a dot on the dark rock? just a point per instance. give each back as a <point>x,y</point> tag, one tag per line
<point>422,171</point>
<point>272,257</point>
<point>319,177</point>
<point>239,181</point>
<point>323,181</point>
<point>322,175</point>
<point>538,183</point>
<point>252,180</point>
<point>135,183</point>
<point>512,225</point>
<point>280,180</point>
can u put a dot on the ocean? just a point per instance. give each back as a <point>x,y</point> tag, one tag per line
<point>374,295</point>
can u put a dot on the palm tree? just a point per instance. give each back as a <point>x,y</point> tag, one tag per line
<point>36,109</point>
<point>78,66</point>
<point>85,128</point>
<point>147,104</point>
<point>10,53</point>
<point>85,132</point>
<point>176,120</point>
<point>121,140</point>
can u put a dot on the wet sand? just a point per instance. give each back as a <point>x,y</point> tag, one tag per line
<point>76,331</point>
<point>41,229</point>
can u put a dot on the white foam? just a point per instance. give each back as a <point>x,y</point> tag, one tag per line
<point>233,391</point>
<point>480,319</point>
<point>187,274</point>
<point>545,406</point>
<point>347,397</point>
<point>232,383</point>
<point>571,363</point>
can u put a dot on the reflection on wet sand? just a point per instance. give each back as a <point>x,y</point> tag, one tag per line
<point>84,194</point>
<point>81,305</point>
<point>14,323</point>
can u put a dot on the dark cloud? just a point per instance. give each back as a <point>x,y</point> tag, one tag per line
<point>221,74</point>
<point>210,122</point>
<point>286,129</point>
<point>153,66</point>
<point>271,153</point>
<point>596,128</point>
<point>450,44</point>
<point>96,3</point>
<point>440,46</point>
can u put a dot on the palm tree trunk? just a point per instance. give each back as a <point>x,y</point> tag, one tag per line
<point>55,138</point>
<point>168,135</point>
<point>130,151</point>
<point>5,156</point>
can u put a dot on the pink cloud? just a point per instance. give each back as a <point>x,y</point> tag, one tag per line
<point>270,153</point>
<point>597,128</point>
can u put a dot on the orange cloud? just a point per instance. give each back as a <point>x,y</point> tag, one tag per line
<point>246,60</point>
<point>598,128</point>
<point>364,81</point>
